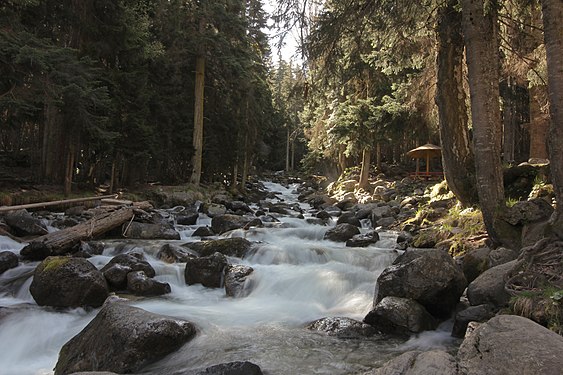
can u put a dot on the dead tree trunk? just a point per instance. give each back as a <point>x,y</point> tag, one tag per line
<point>60,242</point>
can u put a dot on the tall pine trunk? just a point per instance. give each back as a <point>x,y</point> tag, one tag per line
<point>457,153</point>
<point>199,94</point>
<point>552,11</point>
<point>364,174</point>
<point>480,28</point>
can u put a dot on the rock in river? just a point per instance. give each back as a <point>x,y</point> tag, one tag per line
<point>123,339</point>
<point>68,282</point>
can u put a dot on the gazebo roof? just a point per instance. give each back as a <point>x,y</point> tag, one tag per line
<point>427,150</point>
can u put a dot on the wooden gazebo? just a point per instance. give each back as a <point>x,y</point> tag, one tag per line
<point>427,152</point>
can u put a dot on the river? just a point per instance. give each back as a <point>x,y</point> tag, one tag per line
<point>298,277</point>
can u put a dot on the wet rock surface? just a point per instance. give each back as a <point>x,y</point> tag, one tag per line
<point>123,339</point>
<point>342,327</point>
<point>68,282</point>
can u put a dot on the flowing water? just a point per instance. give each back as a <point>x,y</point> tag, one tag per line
<point>298,277</point>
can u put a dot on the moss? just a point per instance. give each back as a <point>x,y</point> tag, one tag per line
<point>53,263</point>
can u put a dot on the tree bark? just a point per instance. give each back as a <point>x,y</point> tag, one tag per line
<point>364,174</point>
<point>552,11</point>
<point>58,242</point>
<point>457,153</point>
<point>197,140</point>
<point>480,28</point>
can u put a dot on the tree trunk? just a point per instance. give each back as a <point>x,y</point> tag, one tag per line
<point>457,153</point>
<point>481,32</point>
<point>364,174</point>
<point>552,11</point>
<point>538,126</point>
<point>287,149</point>
<point>378,156</point>
<point>69,171</point>
<point>58,242</point>
<point>197,140</point>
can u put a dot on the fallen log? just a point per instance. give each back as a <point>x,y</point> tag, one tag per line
<point>53,203</point>
<point>60,242</point>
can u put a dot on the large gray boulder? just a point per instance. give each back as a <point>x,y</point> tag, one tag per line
<point>119,266</point>
<point>224,223</point>
<point>434,362</point>
<point>480,313</point>
<point>232,247</point>
<point>488,288</point>
<point>363,240</point>
<point>236,280</point>
<point>428,276</point>
<point>509,344</point>
<point>341,232</point>
<point>68,282</point>
<point>208,271</point>
<point>400,315</point>
<point>342,327</point>
<point>140,284</point>
<point>23,224</point>
<point>123,339</point>
<point>148,231</point>
<point>171,253</point>
<point>475,262</point>
<point>349,218</point>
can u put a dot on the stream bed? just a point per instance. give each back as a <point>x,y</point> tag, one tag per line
<point>298,277</point>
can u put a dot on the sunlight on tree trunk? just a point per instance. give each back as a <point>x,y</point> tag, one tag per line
<point>457,153</point>
<point>364,174</point>
<point>481,39</point>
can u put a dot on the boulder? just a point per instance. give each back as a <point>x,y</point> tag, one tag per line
<point>203,231</point>
<point>501,255</point>
<point>341,232</point>
<point>239,206</point>
<point>363,240</point>
<point>207,271</point>
<point>187,219</point>
<point>380,212</point>
<point>349,218</point>
<point>139,284</point>
<point>488,288</point>
<point>23,224</point>
<point>236,277</point>
<point>214,209</point>
<point>232,247</point>
<point>510,344</point>
<point>385,222</point>
<point>147,231</point>
<point>8,260</point>
<point>528,212</point>
<point>35,251</point>
<point>323,215</point>
<point>224,223</point>
<point>68,282</point>
<point>400,315</point>
<point>342,327</point>
<point>232,368</point>
<point>428,276</point>
<point>434,362</point>
<point>475,262</point>
<point>87,249</point>
<point>480,313</point>
<point>171,253</point>
<point>123,339</point>
<point>119,266</point>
